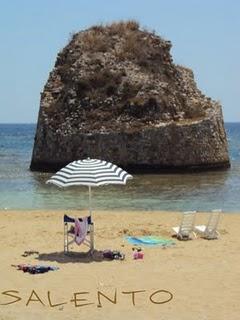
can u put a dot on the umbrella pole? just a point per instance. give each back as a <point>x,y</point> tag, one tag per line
<point>92,226</point>
<point>90,201</point>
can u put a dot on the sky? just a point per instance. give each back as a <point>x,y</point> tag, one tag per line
<point>204,34</point>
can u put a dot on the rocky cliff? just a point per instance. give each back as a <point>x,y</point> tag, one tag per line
<point>115,94</point>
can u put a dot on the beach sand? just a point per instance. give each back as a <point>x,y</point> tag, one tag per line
<point>203,276</point>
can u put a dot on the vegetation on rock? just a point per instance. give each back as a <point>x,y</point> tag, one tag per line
<point>119,77</point>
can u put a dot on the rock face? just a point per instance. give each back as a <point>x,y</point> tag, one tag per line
<point>115,94</point>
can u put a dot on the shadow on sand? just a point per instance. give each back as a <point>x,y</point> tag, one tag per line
<point>72,257</point>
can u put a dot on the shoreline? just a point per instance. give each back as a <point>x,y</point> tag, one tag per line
<point>111,211</point>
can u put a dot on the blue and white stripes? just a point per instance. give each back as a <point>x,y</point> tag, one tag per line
<point>89,172</point>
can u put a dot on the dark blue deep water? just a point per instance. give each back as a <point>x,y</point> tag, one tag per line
<point>23,189</point>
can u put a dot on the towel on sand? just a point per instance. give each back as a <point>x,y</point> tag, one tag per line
<point>150,241</point>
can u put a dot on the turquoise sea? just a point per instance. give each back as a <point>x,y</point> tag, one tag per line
<point>22,189</point>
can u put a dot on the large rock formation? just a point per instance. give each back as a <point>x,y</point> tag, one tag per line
<point>115,94</point>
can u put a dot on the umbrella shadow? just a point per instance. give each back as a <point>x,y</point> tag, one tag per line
<point>72,257</point>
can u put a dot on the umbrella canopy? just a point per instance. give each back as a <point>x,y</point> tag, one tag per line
<point>91,173</point>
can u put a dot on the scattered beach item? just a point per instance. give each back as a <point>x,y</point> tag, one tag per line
<point>186,228</point>
<point>80,231</point>
<point>113,255</point>
<point>91,173</point>
<point>137,253</point>
<point>35,269</point>
<point>29,253</point>
<point>209,231</point>
<point>150,241</point>
<point>137,249</point>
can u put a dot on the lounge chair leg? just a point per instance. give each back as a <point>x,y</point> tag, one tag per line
<point>179,237</point>
<point>65,238</point>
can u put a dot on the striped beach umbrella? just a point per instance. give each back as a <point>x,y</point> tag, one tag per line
<point>91,173</point>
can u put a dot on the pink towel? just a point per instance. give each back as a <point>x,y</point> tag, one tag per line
<point>80,229</point>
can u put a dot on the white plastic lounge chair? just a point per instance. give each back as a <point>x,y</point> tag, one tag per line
<point>186,227</point>
<point>69,235</point>
<point>209,231</point>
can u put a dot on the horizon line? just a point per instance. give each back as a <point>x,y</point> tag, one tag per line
<point>35,123</point>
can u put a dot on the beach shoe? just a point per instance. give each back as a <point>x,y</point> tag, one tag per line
<point>28,253</point>
<point>137,249</point>
<point>118,255</point>
<point>122,256</point>
<point>113,255</point>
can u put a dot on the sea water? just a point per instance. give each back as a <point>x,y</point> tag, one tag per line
<point>203,191</point>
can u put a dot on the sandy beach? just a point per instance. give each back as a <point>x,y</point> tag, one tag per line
<point>202,277</point>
